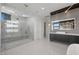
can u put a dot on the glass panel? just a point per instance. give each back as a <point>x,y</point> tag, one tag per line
<point>16,32</point>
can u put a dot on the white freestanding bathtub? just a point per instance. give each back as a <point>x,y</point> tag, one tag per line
<point>73,49</point>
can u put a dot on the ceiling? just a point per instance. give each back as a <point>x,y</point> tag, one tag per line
<point>36,9</point>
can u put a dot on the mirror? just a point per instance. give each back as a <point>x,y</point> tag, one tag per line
<point>66,24</point>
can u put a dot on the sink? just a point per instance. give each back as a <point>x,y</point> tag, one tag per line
<point>61,32</point>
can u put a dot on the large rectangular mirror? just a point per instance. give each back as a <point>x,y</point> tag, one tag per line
<point>66,24</point>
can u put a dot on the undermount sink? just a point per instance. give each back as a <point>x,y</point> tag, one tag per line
<point>61,32</point>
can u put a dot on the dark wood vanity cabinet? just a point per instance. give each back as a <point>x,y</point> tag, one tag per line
<point>64,38</point>
<point>77,39</point>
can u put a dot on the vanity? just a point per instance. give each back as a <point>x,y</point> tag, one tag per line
<point>59,31</point>
<point>65,38</point>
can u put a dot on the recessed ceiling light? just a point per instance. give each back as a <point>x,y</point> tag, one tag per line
<point>3,7</point>
<point>24,15</point>
<point>42,8</point>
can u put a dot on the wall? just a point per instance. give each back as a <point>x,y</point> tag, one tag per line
<point>29,28</point>
<point>26,32</point>
<point>71,14</point>
<point>34,24</point>
<point>0,36</point>
<point>47,21</point>
<point>38,29</point>
<point>24,28</point>
<point>0,28</point>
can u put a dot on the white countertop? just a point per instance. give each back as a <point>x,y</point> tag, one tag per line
<point>65,33</point>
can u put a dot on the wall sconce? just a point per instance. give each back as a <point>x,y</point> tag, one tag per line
<point>68,9</point>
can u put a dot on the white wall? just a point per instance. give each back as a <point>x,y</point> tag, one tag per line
<point>47,20</point>
<point>38,27</point>
<point>74,13</point>
<point>35,22</point>
<point>0,28</point>
<point>0,36</point>
<point>33,25</point>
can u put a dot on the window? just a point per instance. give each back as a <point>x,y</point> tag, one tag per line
<point>56,25</point>
<point>5,16</point>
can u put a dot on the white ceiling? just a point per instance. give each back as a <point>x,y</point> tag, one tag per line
<point>34,9</point>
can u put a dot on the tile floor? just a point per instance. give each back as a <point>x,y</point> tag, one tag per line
<point>39,47</point>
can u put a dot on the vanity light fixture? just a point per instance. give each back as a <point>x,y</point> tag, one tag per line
<point>68,8</point>
<point>24,15</point>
